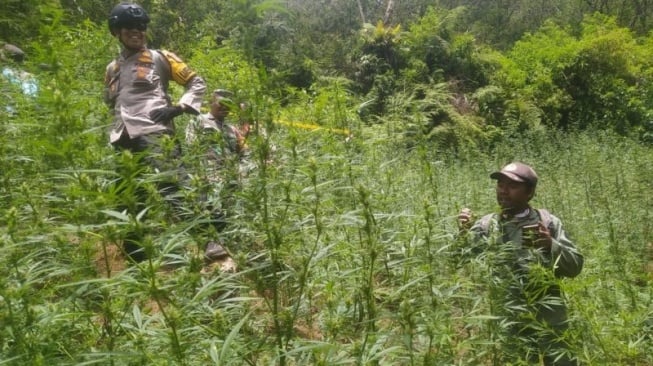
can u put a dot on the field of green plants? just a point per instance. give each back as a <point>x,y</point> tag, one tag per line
<point>344,242</point>
<point>343,247</point>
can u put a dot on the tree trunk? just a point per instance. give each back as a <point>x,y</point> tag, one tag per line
<point>388,11</point>
<point>640,15</point>
<point>360,9</point>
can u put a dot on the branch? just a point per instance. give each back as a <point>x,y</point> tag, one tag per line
<point>360,10</point>
<point>388,11</point>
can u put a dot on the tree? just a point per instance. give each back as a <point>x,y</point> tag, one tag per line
<point>19,19</point>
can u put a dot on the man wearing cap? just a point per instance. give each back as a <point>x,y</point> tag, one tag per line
<point>533,253</point>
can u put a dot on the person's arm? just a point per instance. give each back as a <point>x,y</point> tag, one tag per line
<point>194,89</point>
<point>565,258</point>
<point>241,145</point>
<point>193,129</point>
<point>191,101</point>
<point>472,234</point>
<point>111,84</point>
<point>194,85</point>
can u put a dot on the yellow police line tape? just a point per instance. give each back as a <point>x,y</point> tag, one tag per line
<point>314,127</point>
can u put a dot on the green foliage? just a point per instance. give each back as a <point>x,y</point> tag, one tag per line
<point>94,10</point>
<point>329,104</point>
<point>345,244</point>
<point>466,64</point>
<point>226,68</point>
<point>429,40</point>
<point>427,113</point>
<point>378,62</point>
<point>588,82</point>
<point>256,27</point>
<point>430,53</point>
<point>345,254</point>
<point>501,23</point>
<point>602,79</point>
<point>19,20</point>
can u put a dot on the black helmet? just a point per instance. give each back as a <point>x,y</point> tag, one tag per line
<point>127,13</point>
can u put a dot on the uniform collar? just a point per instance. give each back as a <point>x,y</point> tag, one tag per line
<point>218,122</point>
<point>519,215</point>
<point>126,53</point>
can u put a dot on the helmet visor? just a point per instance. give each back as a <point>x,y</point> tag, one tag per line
<point>141,26</point>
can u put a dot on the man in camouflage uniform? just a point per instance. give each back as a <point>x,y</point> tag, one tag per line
<point>224,148</point>
<point>531,251</point>
<point>223,140</point>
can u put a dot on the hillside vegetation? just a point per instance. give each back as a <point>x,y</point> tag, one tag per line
<point>345,233</point>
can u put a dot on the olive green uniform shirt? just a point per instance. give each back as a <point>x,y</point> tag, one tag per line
<point>506,234</point>
<point>563,258</point>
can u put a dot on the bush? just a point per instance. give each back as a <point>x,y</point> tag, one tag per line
<point>588,81</point>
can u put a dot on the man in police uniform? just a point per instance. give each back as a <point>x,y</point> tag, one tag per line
<point>136,88</point>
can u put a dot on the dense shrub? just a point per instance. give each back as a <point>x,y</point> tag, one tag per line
<point>591,80</point>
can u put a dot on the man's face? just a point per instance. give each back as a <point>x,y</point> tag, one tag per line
<point>132,36</point>
<point>511,195</point>
<point>219,110</point>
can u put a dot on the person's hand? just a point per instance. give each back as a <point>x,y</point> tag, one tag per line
<point>544,240</point>
<point>245,128</point>
<point>539,237</point>
<point>166,114</point>
<point>465,218</point>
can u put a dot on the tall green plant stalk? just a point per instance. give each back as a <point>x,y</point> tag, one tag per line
<point>273,243</point>
<point>368,238</point>
<point>108,316</point>
<point>171,320</point>
<point>305,270</point>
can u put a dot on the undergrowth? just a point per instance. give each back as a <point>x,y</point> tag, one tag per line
<point>344,242</point>
<point>344,254</point>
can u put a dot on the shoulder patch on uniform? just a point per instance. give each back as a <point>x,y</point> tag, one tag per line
<point>111,72</point>
<point>171,56</point>
<point>181,73</point>
<point>145,57</point>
